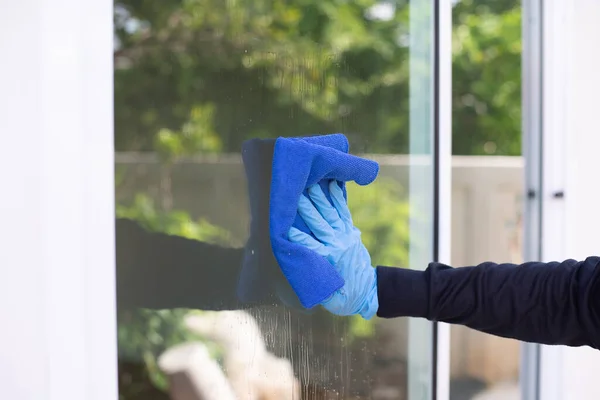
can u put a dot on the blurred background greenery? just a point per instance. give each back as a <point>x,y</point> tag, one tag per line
<point>201,76</point>
<point>220,72</point>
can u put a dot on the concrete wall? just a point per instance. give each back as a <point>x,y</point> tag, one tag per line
<point>486,225</point>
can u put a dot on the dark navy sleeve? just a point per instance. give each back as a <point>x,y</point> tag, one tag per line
<point>548,303</point>
<point>160,271</point>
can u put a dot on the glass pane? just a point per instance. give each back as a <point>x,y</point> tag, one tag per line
<point>194,81</point>
<point>487,182</point>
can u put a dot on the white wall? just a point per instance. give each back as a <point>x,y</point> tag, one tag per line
<point>572,139</point>
<point>56,255</point>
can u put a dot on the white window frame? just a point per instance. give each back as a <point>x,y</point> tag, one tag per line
<point>431,112</point>
<point>560,87</point>
<point>444,178</point>
<point>57,258</point>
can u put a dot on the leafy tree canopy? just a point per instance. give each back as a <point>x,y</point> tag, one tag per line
<point>266,68</point>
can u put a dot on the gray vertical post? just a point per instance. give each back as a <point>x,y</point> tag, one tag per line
<point>532,78</point>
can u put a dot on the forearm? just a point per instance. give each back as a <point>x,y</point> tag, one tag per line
<point>160,271</point>
<point>550,303</point>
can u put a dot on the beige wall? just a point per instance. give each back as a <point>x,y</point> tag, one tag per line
<point>486,225</point>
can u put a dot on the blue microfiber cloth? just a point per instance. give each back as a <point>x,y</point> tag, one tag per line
<point>297,164</point>
<point>261,280</point>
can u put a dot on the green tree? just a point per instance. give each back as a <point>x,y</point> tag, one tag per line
<point>269,68</point>
<point>487,78</point>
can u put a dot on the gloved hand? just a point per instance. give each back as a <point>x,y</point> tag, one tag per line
<point>338,240</point>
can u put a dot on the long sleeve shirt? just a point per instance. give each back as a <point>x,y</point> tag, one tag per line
<point>160,271</point>
<point>549,303</point>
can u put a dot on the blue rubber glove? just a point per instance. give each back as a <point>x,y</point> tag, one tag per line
<point>338,240</point>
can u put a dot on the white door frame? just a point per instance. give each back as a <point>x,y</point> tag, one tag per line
<point>560,87</point>
<point>57,257</point>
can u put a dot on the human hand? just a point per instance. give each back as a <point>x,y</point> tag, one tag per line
<point>339,241</point>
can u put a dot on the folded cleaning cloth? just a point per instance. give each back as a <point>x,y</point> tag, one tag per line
<point>261,279</point>
<point>297,164</point>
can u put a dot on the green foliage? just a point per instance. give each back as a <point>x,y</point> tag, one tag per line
<point>487,78</point>
<point>197,135</point>
<point>144,335</point>
<point>174,222</point>
<point>360,328</point>
<point>270,68</point>
<point>381,212</point>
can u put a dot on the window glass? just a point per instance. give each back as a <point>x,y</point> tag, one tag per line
<point>194,81</point>
<point>487,182</point>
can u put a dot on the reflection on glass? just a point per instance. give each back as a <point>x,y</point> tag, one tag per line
<point>193,81</point>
